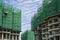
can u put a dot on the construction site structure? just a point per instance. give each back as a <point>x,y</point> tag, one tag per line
<point>45,23</point>
<point>10,22</point>
<point>27,35</point>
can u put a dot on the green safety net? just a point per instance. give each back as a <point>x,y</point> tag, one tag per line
<point>27,35</point>
<point>10,17</point>
<point>17,19</point>
<point>49,8</point>
<point>7,19</point>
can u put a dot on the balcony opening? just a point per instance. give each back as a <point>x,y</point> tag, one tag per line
<point>56,20</point>
<point>4,36</point>
<point>43,35</point>
<point>51,38</point>
<point>56,26</point>
<point>51,27</point>
<point>43,26</point>
<point>57,37</point>
<point>5,13</point>
<point>50,21</point>
<point>50,33</point>
<point>57,32</point>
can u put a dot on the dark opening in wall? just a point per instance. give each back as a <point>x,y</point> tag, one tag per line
<point>5,13</point>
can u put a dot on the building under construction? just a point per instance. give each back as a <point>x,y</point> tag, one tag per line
<point>46,23</point>
<point>10,22</point>
<point>27,35</point>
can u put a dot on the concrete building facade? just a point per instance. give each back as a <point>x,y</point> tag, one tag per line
<point>7,34</point>
<point>51,28</point>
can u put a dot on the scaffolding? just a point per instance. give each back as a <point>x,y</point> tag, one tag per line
<point>49,8</point>
<point>10,21</point>
<point>8,14</point>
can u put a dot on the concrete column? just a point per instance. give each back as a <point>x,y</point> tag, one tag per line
<point>9,37</point>
<point>54,38</point>
<point>6,37</point>
<point>16,37</point>
<point>12,37</point>
<point>2,36</point>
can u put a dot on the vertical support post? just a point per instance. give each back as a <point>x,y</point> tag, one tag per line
<point>9,36</point>
<point>2,36</point>
<point>12,37</point>
<point>6,36</point>
<point>16,37</point>
<point>54,38</point>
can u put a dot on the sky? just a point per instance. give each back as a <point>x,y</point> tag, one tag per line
<point>28,8</point>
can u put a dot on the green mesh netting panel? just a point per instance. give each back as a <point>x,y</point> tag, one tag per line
<point>50,8</point>
<point>58,5</point>
<point>17,19</point>
<point>1,11</point>
<point>27,35</point>
<point>7,19</point>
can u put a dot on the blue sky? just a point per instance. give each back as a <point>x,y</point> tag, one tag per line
<point>29,8</point>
